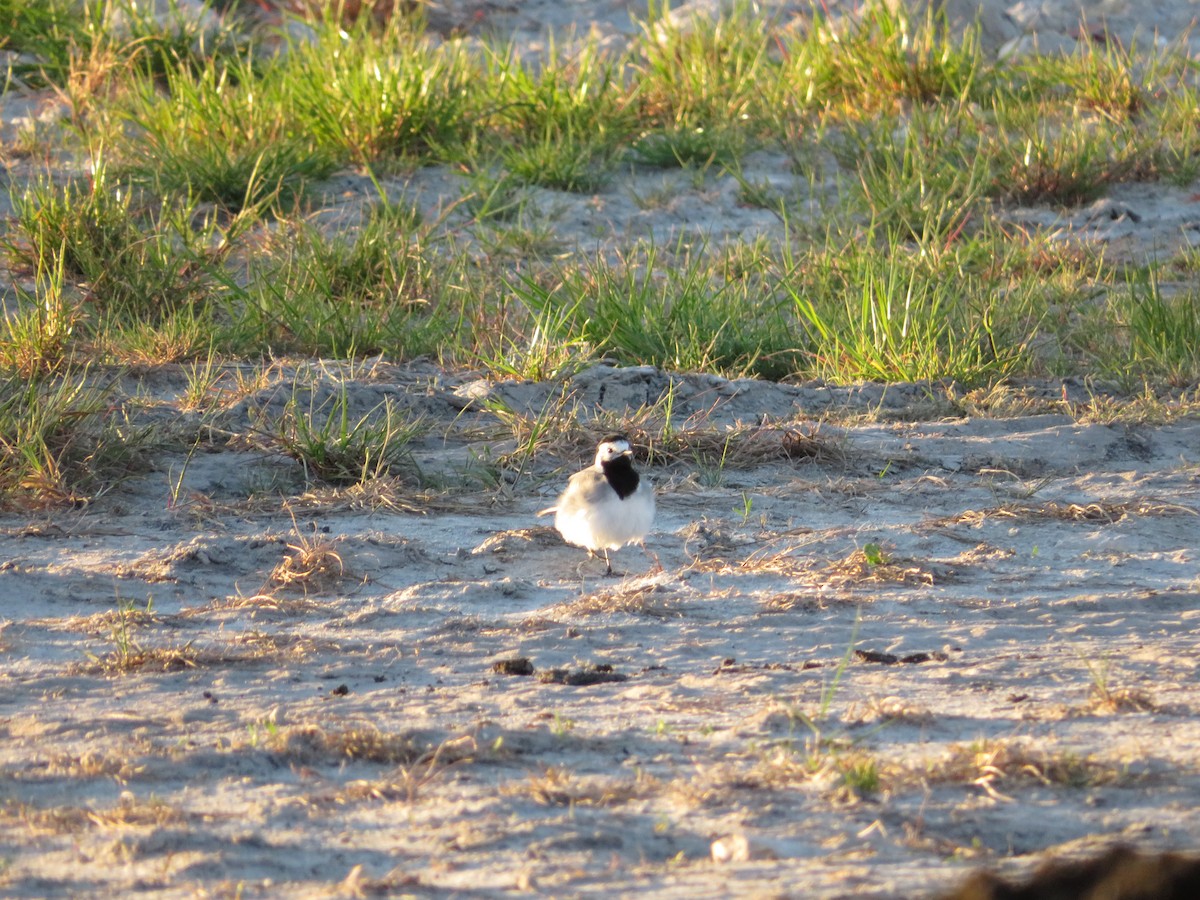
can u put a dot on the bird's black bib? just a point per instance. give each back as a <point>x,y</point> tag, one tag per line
<point>621,476</point>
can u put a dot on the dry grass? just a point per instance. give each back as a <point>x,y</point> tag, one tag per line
<point>843,772</point>
<point>254,604</point>
<point>893,710</point>
<point>1105,699</point>
<point>564,432</point>
<point>89,764</point>
<point>129,812</point>
<point>137,658</point>
<point>1104,512</point>
<point>275,646</point>
<point>313,564</point>
<point>414,761</point>
<point>998,766</point>
<point>559,786</point>
<point>869,565</point>
<point>864,566</point>
<point>308,744</point>
<point>653,599</point>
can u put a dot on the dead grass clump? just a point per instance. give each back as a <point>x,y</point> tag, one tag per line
<point>129,811</point>
<point>313,565</point>
<point>1103,512</point>
<point>381,493</point>
<point>1104,699</point>
<point>416,762</point>
<point>310,744</point>
<point>996,765</point>
<point>91,764</point>
<point>654,600</point>
<point>135,658</point>
<point>809,444</point>
<point>263,645</point>
<point>871,564</point>
<point>895,710</point>
<point>559,786</point>
<point>789,601</point>
<point>254,603</point>
<point>843,772</point>
<point>113,621</point>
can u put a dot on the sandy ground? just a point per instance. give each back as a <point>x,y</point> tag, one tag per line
<point>862,657</point>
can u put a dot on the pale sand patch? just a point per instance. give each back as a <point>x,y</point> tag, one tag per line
<point>220,699</point>
<point>955,641</point>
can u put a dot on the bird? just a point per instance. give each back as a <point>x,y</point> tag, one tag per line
<point>606,505</point>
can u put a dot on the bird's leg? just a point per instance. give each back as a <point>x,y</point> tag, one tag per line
<point>608,563</point>
<point>654,556</point>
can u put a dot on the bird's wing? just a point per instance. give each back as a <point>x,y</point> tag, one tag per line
<point>585,489</point>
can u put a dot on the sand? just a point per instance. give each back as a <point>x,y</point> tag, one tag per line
<point>900,633</point>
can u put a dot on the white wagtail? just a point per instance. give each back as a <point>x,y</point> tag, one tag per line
<point>607,505</point>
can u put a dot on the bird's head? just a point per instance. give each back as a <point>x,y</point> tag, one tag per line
<point>613,447</point>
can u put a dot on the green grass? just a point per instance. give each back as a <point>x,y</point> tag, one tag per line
<point>193,202</point>
<point>60,440</point>
<point>338,445</point>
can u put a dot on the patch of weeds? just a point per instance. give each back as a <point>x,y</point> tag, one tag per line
<point>846,773</point>
<point>574,162</point>
<point>37,332</point>
<point>344,295</point>
<point>1175,152</point>
<point>680,314</point>
<point>891,314</point>
<point>703,84</point>
<point>338,446</point>
<point>132,262</point>
<point>59,439</point>
<point>224,136</point>
<point>494,196</point>
<point>130,655</point>
<point>542,344</point>
<point>845,770</point>
<point>1163,332</point>
<point>760,194</point>
<point>368,91</point>
<point>533,433</point>
<point>881,61</point>
<point>562,117</point>
<point>45,36</point>
<point>1037,156</point>
<point>182,335</point>
<point>684,147</point>
<point>925,178</point>
<point>531,237</point>
<point>1105,697</point>
<point>1104,76</point>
